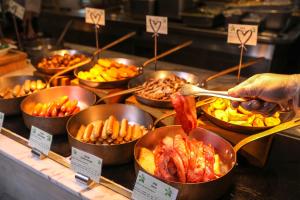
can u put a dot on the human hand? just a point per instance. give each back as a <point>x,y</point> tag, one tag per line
<point>268,93</point>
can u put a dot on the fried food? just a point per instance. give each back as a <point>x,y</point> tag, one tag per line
<point>107,70</point>
<point>61,61</point>
<point>222,110</point>
<point>60,107</point>
<point>146,160</point>
<point>182,159</point>
<point>161,89</point>
<point>19,90</point>
<point>110,131</point>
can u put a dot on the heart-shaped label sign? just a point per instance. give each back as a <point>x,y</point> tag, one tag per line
<point>155,25</point>
<point>244,36</point>
<point>96,17</point>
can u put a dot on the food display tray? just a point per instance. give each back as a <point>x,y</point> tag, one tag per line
<point>123,175</point>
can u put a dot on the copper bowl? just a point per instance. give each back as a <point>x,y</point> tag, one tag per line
<point>204,190</point>
<point>12,106</point>
<point>54,125</point>
<point>115,154</point>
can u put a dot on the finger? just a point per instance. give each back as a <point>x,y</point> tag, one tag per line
<point>252,105</point>
<point>268,108</point>
<point>246,91</point>
<point>235,104</point>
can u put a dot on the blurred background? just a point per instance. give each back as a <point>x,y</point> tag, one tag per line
<point>203,21</point>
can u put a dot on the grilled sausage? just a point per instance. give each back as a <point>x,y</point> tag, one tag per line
<point>27,86</point>
<point>44,110</point>
<point>128,137</point>
<point>37,109</point>
<point>16,90</point>
<point>61,101</point>
<point>88,132</point>
<point>80,133</point>
<point>116,129</point>
<point>123,129</point>
<point>40,85</point>
<point>98,125</point>
<point>137,132</point>
<point>110,125</point>
<point>104,132</point>
<point>33,85</point>
<point>65,106</point>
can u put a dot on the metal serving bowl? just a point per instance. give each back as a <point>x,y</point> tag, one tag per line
<point>52,71</point>
<point>203,190</point>
<point>54,125</point>
<point>140,80</point>
<point>284,117</point>
<point>111,154</point>
<point>12,106</point>
<point>108,84</point>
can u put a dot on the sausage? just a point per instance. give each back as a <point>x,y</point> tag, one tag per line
<point>136,133</point>
<point>32,85</point>
<point>54,111</point>
<point>80,133</point>
<point>16,90</point>
<point>44,110</point>
<point>98,125</point>
<point>129,133</point>
<point>88,132</point>
<point>116,130</point>
<point>39,84</point>
<point>72,106</point>
<point>27,86</point>
<point>119,139</point>
<point>22,91</point>
<point>61,114</point>
<point>50,109</point>
<point>61,101</point>
<point>103,133</point>
<point>116,142</point>
<point>37,109</point>
<point>110,125</point>
<point>123,129</point>
<point>65,106</point>
<point>76,110</point>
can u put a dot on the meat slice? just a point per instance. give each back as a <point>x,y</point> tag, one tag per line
<point>186,114</point>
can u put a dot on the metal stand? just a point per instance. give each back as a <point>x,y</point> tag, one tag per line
<point>38,154</point>
<point>83,179</point>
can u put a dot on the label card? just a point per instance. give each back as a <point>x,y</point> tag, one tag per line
<point>1,119</point>
<point>242,34</point>
<point>156,24</point>
<point>95,16</point>
<point>40,140</point>
<point>148,188</point>
<point>86,164</point>
<point>16,9</point>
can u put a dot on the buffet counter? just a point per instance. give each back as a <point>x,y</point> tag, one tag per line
<point>25,177</point>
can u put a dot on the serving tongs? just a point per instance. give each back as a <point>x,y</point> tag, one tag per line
<point>92,59</point>
<point>189,89</point>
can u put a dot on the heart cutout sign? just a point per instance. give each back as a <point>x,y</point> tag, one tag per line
<point>244,36</point>
<point>96,17</point>
<point>155,25</point>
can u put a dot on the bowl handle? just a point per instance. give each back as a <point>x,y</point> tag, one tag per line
<point>281,127</point>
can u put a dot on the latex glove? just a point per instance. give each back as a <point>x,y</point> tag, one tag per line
<point>269,92</point>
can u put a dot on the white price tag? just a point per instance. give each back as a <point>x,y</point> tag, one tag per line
<point>86,164</point>
<point>1,119</point>
<point>16,9</point>
<point>242,34</point>
<point>95,16</point>
<point>148,188</point>
<point>156,24</point>
<point>40,140</point>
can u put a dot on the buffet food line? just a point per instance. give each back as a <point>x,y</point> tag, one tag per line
<point>125,135</point>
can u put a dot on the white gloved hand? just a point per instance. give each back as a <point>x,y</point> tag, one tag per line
<point>268,92</point>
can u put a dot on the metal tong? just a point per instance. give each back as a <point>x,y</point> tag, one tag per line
<point>189,89</point>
